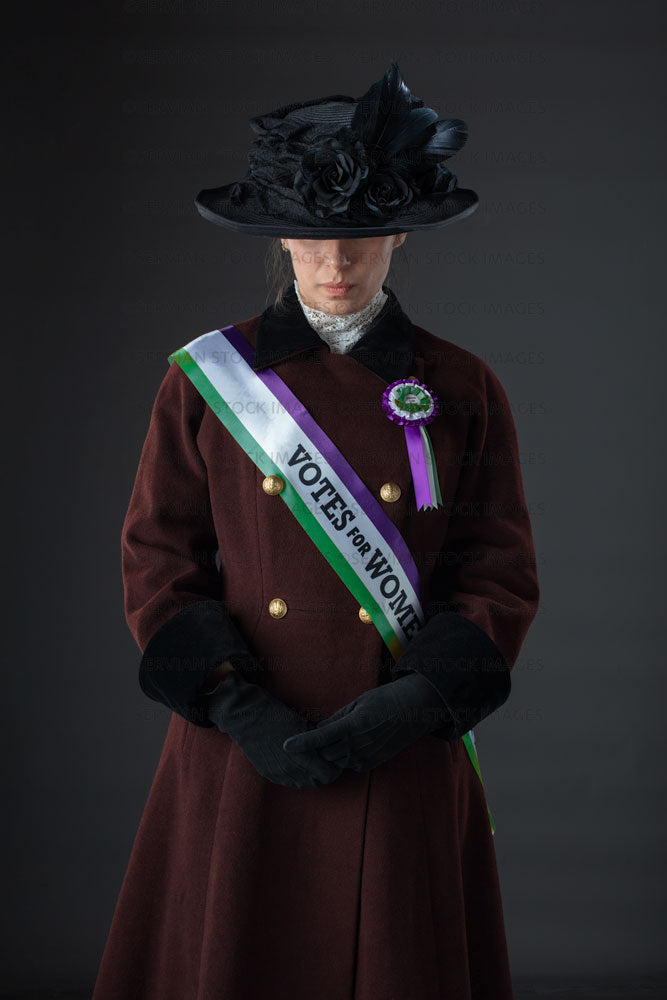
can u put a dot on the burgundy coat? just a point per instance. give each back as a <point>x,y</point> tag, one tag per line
<point>382,885</point>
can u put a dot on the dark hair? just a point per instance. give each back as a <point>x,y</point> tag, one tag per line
<point>280,273</point>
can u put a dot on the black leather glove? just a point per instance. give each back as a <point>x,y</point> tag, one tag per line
<point>376,725</point>
<point>464,666</point>
<point>259,723</point>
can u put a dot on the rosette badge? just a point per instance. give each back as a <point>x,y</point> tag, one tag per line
<point>412,405</point>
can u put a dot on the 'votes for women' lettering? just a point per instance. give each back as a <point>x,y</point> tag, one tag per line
<point>377,565</point>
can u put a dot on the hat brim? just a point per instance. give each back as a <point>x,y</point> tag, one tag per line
<point>215,205</point>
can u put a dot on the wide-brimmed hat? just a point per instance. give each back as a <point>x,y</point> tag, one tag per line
<point>337,166</point>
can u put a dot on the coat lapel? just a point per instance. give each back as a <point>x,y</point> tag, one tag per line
<point>387,347</point>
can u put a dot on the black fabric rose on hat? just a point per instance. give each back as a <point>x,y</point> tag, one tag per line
<point>330,173</point>
<point>387,192</point>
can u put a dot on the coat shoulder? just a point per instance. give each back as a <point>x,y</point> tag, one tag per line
<point>453,367</point>
<point>177,400</point>
<point>175,385</point>
<point>176,392</point>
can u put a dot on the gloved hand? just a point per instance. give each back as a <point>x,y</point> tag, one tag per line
<point>259,723</point>
<point>376,725</point>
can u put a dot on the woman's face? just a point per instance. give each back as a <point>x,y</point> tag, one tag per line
<point>360,265</point>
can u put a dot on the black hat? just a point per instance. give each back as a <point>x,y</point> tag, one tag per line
<point>339,167</point>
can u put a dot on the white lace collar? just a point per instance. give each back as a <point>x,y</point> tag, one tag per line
<point>340,331</point>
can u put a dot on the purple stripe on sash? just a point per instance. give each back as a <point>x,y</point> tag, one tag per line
<point>343,469</point>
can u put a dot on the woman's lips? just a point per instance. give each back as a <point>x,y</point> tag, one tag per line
<point>338,289</point>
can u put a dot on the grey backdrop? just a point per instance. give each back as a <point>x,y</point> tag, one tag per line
<point>119,114</point>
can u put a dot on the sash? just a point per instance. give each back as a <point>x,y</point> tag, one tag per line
<point>324,493</point>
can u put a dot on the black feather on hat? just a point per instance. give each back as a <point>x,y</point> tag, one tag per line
<point>338,167</point>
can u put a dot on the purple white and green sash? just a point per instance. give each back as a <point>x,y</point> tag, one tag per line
<point>324,493</point>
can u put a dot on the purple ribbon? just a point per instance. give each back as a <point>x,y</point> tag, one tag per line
<point>417,458</point>
<point>427,490</point>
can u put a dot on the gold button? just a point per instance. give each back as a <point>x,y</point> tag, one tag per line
<point>413,378</point>
<point>365,617</point>
<point>390,492</point>
<point>273,485</point>
<point>277,608</point>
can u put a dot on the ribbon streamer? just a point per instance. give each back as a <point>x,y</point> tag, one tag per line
<point>412,405</point>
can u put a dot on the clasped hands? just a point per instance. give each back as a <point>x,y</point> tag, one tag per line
<point>375,726</point>
<point>289,750</point>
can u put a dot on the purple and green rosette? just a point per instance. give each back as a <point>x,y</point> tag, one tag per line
<point>412,405</point>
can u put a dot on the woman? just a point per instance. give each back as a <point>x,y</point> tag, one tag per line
<point>329,570</point>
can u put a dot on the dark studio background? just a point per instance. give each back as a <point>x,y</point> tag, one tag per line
<point>117,116</point>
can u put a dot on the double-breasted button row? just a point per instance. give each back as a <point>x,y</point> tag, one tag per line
<point>274,485</point>
<point>278,609</point>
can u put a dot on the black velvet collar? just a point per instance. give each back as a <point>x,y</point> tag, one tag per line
<point>387,346</point>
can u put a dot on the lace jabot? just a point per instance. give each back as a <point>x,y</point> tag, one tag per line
<point>341,331</point>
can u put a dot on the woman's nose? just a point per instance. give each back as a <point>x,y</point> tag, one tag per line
<point>337,255</point>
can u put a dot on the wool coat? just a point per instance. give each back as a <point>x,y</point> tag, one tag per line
<point>382,885</point>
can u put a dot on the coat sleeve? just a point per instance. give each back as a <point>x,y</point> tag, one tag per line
<point>484,590</point>
<point>172,585</point>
